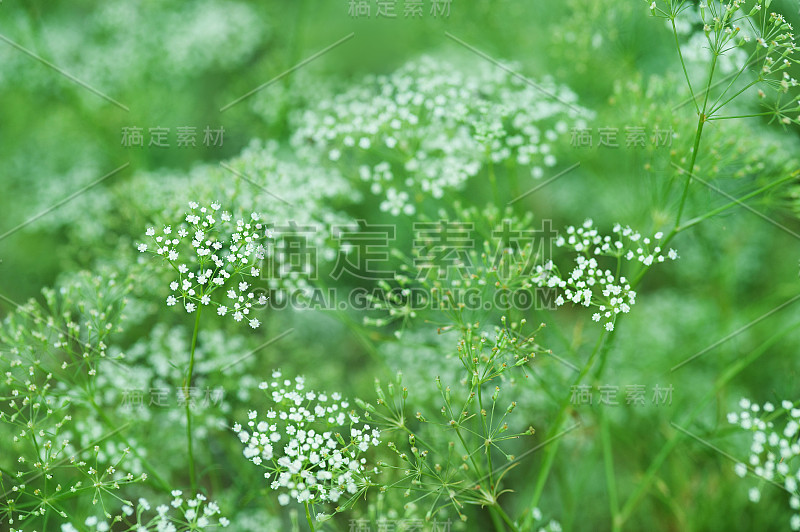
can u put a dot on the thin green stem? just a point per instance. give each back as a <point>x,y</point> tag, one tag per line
<point>505,517</point>
<point>717,106</point>
<point>486,434</point>
<point>308,518</point>
<point>701,120</point>
<point>187,383</point>
<point>712,213</point>
<point>478,470</point>
<point>697,220</point>
<point>766,113</point>
<point>497,521</point>
<point>608,460</point>
<point>552,449</point>
<point>683,64</point>
<point>603,358</point>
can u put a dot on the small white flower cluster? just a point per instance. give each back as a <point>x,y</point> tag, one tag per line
<point>192,514</point>
<point>430,126</point>
<point>774,452</point>
<point>309,443</point>
<point>216,252</point>
<point>589,284</point>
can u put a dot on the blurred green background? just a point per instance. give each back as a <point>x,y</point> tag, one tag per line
<point>175,64</point>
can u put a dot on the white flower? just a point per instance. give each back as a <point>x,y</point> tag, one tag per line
<point>588,283</point>
<point>215,254</point>
<point>434,128</point>
<point>321,456</point>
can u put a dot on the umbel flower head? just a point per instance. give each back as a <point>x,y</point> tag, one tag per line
<point>589,284</point>
<point>427,128</point>
<point>210,252</point>
<point>310,444</point>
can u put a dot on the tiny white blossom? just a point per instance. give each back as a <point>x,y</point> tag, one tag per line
<point>210,255</point>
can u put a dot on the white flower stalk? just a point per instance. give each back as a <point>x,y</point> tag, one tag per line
<point>774,450</point>
<point>591,285</point>
<point>181,514</point>
<point>310,444</point>
<point>210,253</point>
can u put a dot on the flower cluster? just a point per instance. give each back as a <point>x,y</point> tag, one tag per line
<point>589,284</point>
<point>310,444</point>
<point>217,253</point>
<point>177,34</point>
<point>181,514</point>
<point>774,451</point>
<point>429,127</point>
